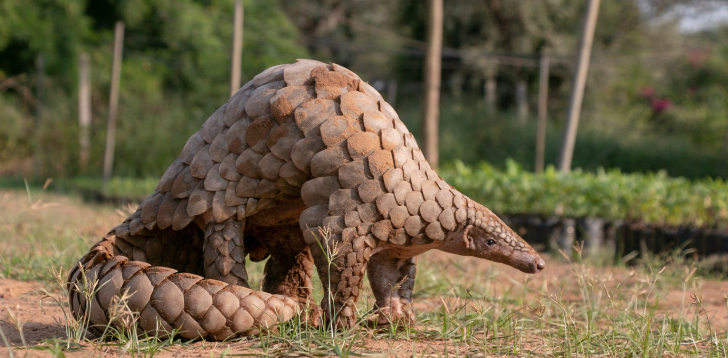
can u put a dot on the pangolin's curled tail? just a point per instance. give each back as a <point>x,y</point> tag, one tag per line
<point>166,299</point>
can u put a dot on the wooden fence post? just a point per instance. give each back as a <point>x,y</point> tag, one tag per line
<point>113,103</point>
<point>490,90</point>
<point>522,101</point>
<point>84,111</point>
<point>392,92</point>
<point>433,65</point>
<point>543,95</point>
<point>40,97</point>
<point>577,88</point>
<point>237,47</point>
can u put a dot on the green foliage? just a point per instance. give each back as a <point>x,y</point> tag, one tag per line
<point>176,65</point>
<point>697,86</point>
<point>175,72</point>
<point>651,198</point>
<point>134,189</point>
<point>620,126</point>
<point>471,133</point>
<point>55,28</point>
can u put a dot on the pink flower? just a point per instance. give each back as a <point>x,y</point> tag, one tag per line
<point>660,104</point>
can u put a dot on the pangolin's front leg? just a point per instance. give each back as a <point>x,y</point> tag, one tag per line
<point>224,252</point>
<point>392,279</point>
<point>341,264</point>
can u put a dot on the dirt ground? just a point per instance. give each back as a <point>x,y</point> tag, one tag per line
<point>44,320</point>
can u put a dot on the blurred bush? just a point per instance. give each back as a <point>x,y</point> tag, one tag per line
<point>175,73</point>
<point>471,133</point>
<point>652,198</point>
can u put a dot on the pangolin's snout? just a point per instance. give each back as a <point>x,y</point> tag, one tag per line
<point>534,265</point>
<point>540,265</point>
<point>527,262</point>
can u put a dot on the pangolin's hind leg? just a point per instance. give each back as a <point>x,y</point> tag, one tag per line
<point>290,276</point>
<point>224,252</point>
<point>392,279</point>
<point>289,270</point>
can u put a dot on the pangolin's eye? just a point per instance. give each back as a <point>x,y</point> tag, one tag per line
<point>490,242</point>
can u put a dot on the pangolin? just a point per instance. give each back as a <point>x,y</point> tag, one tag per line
<point>305,165</point>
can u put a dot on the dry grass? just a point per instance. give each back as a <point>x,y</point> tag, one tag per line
<point>465,306</point>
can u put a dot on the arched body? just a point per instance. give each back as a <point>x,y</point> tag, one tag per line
<point>306,164</point>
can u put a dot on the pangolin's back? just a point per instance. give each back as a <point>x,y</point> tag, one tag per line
<point>308,130</point>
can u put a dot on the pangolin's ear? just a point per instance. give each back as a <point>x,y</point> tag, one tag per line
<point>467,240</point>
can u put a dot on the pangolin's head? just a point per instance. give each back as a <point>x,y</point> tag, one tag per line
<point>484,235</point>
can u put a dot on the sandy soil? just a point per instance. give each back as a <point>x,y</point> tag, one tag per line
<point>44,319</point>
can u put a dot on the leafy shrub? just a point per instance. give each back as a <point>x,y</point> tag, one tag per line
<point>650,198</point>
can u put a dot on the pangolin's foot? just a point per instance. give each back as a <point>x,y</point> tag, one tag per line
<point>398,315</point>
<point>310,313</point>
<point>345,315</point>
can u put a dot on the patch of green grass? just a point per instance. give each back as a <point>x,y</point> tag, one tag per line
<point>118,187</point>
<point>39,230</point>
<point>605,316</point>
<point>90,188</point>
